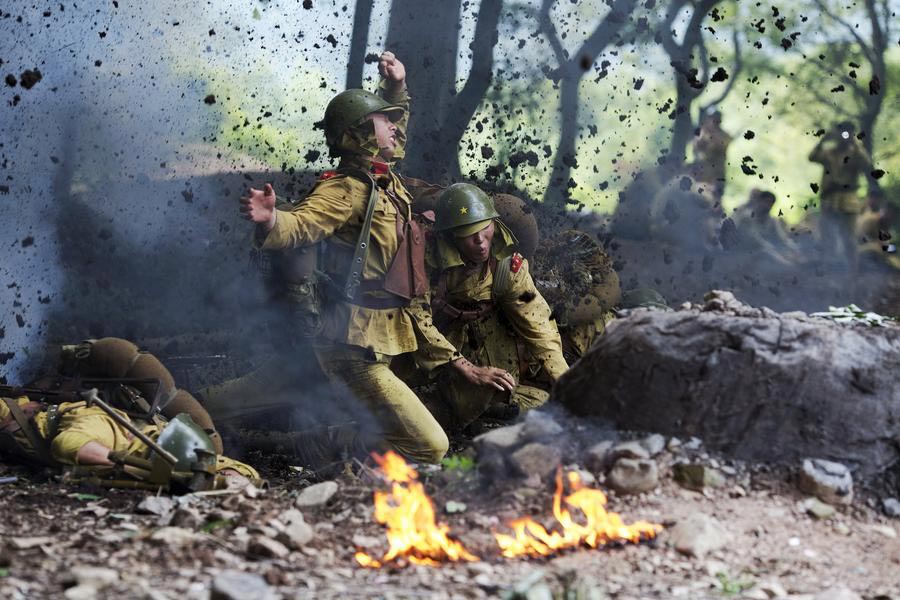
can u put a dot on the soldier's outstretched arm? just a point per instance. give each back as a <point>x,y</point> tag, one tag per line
<point>393,89</point>
<point>315,218</point>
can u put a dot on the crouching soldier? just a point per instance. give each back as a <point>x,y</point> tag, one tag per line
<point>108,447</point>
<point>485,302</point>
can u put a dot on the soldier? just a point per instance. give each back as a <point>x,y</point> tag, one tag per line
<point>710,152</point>
<point>382,312</point>
<point>485,302</point>
<point>844,160</point>
<point>77,433</point>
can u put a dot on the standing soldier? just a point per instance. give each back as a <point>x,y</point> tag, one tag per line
<point>844,160</point>
<point>362,212</point>
<point>711,152</point>
<point>485,302</point>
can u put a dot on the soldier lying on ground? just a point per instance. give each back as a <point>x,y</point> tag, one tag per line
<point>73,434</point>
<point>376,305</point>
<point>485,302</point>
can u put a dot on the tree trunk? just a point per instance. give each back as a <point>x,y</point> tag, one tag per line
<point>424,34</point>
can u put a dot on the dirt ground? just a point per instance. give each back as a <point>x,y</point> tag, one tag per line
<point>51,529</point>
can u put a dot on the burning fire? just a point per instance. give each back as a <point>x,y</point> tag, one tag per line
<point>531,539</point>
<point>408,512</point>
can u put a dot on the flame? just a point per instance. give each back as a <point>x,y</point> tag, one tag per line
<point>408,513</point>
<point>532,539</point>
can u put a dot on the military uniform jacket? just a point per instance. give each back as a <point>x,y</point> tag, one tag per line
<point>335,210</point>
<point>520,319</point>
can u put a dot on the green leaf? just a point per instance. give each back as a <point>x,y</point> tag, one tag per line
<point>458,463</point>
<point>256,14</point>
<point>452,506</point>
<point>218,524</point>
<point>84,497</point>
<point>4,572</point>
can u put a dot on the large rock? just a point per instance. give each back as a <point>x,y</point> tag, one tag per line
<point>317,495</point>
<point>235,585</point>
<point>752,383</point>
<point>698,534</point>
<point>633,476</point>
<point>829,481</point>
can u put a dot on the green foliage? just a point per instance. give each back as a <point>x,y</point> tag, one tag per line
<point>732,587</point>
<point>85,497</point>
<point>458,462</point>
<point>217,524</point>
<point>4,572</point>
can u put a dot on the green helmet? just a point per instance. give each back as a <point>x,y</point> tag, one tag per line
<point>351,106</point>
<point>644,298</point>
<point>463,204</point>
<point>188,443</point>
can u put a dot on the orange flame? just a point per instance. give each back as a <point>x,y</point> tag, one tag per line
<point>408,512</point>
<point>532,539</point>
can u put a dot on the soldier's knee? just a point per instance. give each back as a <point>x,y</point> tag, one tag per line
<point>432,449</point>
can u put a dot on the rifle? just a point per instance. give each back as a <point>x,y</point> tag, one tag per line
<point>71,390</point>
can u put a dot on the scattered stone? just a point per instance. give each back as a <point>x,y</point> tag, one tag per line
<point>263,547</point>
<point>829,481</point>
<point>698,534</point>
<point>26,543</point>
<point>81,592</point>
<point>317,495</point>
<point>817,508</point>
<point>235,585</point>
<point>595,458</point>
<point>296,535</point>
<point>838,593</point>
<point>697,477</point>
<point>891,507</point>
<point>633,476</point>
<point>174,536</point>
<point>502,438</point>
<point>536,459</point>
<point>369,542</point>
<point>885,530</point>
<point>841,529</point>
<point>674,445</point>
<point>94,577</point>
<point>155,505</point>
<point>627,450</point>
<point>771,588</point>
<point>291,515</point>
<point>539,425</point>
<point>653,444</point>
<point>187,517</point>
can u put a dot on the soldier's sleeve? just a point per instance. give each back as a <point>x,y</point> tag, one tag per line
<point>400,98</point>
<point>529,314</point>
<point>317,216</point>
<point>817,155</point>
<point>434,349</point>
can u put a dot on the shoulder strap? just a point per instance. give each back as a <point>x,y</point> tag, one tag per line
<point>38,444</point>
<point>361,252</point>
<point>501,275</point>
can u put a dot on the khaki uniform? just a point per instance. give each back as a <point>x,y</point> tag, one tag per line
<point>358,342</point>
<point>710,155</point>
<point>516,333</point>
<point>77,424</point>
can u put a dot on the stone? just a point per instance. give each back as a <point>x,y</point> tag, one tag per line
<point>837,593</point>
<point>891,507</point>
<point>817,508</point>
<point>633,476</point>
<point>698,534</point>
<point>81,592</point>
<point>539,425</point>
<point>316,495</point>
<point>885,530</point>
<point>296,534</point>
<point>829,481</point>
<point>627,450</point>
<point>291,515</point>
<point>751,381</point>
<point>536,459</point>
<point>236,585</point>
<point>174,536</point>
<point>187,517</point>
<point>502,438</point>
<point>697,477</point>
<point>595,457</point>
<point>653,444</point>
<point>264,547</point>
<point>95,577</point>
<point>156,505</point>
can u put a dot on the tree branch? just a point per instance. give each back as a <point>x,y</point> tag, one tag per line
<point>849,27</point>
<point>736,69</point>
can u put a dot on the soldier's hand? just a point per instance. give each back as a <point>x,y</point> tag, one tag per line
<point>391,68</point>
<point>487,376</point>
<point>259,206</point>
